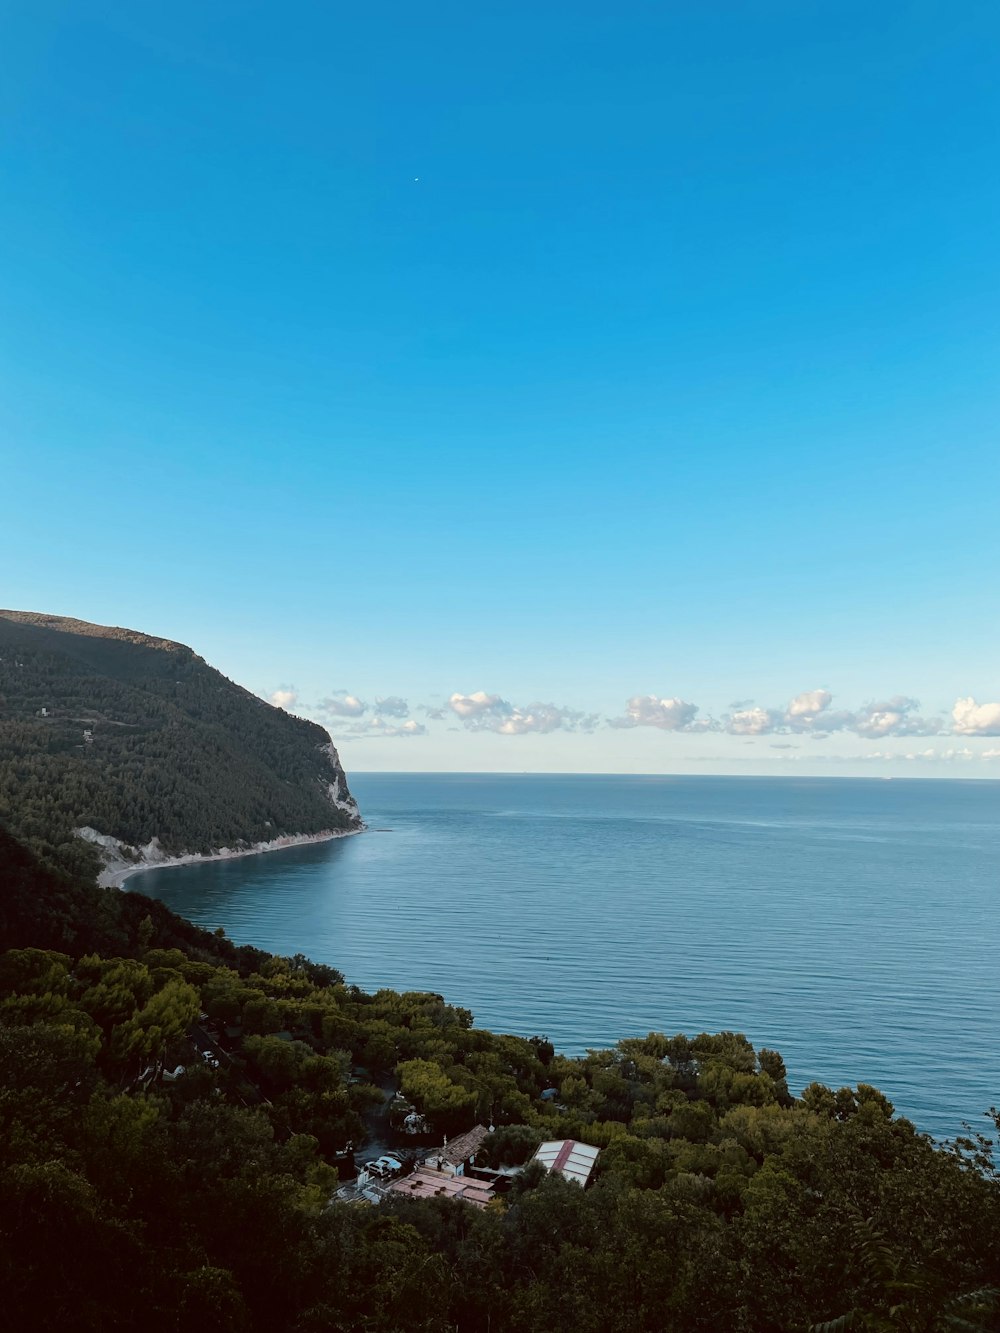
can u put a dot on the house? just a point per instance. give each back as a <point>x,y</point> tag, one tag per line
<point>571,1160</point>
<point>453,1157</point>
<point>426,1183</point>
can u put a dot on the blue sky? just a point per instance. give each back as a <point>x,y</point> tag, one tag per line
<point>554,354</point>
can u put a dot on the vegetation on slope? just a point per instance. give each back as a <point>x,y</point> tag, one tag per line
<point>139,738</point>
<point>128,1200</point>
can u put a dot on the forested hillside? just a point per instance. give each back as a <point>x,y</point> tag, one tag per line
<point>139,738</point>
<point>145,1186</point>
<point>134,1200</point>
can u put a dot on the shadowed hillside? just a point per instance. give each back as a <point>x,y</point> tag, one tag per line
<point>139,738</point>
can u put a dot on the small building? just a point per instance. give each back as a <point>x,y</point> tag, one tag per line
<point>567,1157</point>
<point>453,1157</point>
<point>426,1183</point>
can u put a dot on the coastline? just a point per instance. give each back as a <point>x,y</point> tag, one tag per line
<point>119,868</point>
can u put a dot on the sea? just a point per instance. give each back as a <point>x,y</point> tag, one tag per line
<point>852,925</point>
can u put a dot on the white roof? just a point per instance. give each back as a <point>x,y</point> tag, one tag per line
<point>573,1160</point>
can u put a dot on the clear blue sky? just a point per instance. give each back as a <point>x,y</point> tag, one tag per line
<point>564,353</point>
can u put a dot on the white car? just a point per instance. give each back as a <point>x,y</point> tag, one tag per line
<point>384,1166</point>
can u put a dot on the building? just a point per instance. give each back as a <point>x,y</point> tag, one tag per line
<point>571,1160</point>
<point>426,1183</point>
<point>454,1156</point>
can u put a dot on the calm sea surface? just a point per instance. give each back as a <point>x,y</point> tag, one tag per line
<point>852,925</point>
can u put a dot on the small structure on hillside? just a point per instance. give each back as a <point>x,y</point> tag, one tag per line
<point>404,1116</point>
<point>452,1158</point>
<point>568,1158</point>
<point>426,1183</point>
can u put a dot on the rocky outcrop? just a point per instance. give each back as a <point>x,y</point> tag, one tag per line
<point>121,861</point>
<point>338,790</point>
<point>162,757</point>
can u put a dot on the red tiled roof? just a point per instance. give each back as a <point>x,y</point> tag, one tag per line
<point>427,1184</point>
<point>463,1146</point>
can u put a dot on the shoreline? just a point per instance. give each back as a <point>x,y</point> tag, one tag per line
<point>118,870</point>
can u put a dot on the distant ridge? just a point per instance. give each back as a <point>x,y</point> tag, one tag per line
<point>69,625</point>
<point>137,739</point>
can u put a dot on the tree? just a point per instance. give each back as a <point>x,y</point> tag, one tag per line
<point>445,1104</point>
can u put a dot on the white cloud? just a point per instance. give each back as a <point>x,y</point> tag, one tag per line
<point>753,722</point>
<point>285,696</point>
<point>470,706</point>
<point>489,712</point>
<point>544,718</point>
<point>807,712</point>
<point>341,704</point>
<point>393,706</point>
<point>646,710</point>
<point>809,703</point>
<point>893,717</point>
<point>972,719</point>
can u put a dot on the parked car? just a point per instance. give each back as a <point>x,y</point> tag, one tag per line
<point>384,1166</point>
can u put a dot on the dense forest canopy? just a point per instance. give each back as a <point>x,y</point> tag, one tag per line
<point>139,738</point>
<point>146,1186</point>
<point>130,1199</point>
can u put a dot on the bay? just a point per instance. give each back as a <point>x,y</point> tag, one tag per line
<point>850,924</point>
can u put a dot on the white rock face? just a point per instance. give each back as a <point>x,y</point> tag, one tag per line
<point>122,860</point>
<point>337,790</point>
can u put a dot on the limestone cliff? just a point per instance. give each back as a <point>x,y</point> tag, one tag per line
<point>138,740</point>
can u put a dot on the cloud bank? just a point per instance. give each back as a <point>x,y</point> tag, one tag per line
<point>811,713</point>
<point>808,714</point>
<point>490,712</point>
<point>646,710</point>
